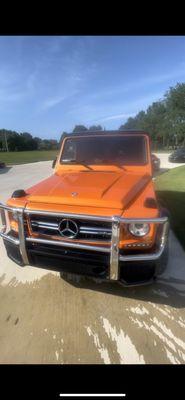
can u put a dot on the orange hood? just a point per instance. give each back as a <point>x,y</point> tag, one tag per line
<point>90,188</point>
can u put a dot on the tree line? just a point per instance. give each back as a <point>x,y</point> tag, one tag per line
<point>164,120</point>
<point>14,141</point>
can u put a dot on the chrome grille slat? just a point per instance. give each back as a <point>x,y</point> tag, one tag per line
<point>39,223</point>
<point>90,228</point>
<point>94,232</point>
<point>45,225</point>
<point>53,227</point>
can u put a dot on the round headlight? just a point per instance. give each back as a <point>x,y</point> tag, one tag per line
<point>139,229</point>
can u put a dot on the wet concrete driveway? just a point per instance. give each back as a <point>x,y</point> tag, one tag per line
<point>46,319</point>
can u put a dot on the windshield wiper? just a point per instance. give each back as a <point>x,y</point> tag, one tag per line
<point>73,160</point>
<point>119,166</point>
<point>114,163</point>
<point>83,162</point>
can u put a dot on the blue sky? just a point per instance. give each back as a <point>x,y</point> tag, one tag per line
<point>48,84</point>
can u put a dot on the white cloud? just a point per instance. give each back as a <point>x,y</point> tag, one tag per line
<point>10,96</point>
<point>53,101</point>
<point>116,111</point>
<point>117,116</point>
<point>137,83</point>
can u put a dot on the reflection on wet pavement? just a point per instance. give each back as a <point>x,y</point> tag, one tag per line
<point>51,320</point>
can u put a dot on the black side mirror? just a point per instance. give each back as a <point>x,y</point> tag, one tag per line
<point>54,163</point>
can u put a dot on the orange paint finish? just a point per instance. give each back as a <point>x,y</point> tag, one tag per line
<point>95,189</point>
<point>105,190</point>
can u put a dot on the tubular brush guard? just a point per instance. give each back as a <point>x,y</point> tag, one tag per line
<point>21,241</point>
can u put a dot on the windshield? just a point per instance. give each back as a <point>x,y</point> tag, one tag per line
<point>121,150</point>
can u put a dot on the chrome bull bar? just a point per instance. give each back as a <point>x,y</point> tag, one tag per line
<point>113,249</point>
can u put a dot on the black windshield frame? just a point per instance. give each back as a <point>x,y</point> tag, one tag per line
<point>107,140</point>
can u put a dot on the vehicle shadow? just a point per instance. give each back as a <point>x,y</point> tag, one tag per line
<point>160,292</point>
<point>174,201</point>
<point>160,172</point>
<point>4,170</point>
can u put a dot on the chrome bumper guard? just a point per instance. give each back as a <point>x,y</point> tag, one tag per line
<point>113,249</point>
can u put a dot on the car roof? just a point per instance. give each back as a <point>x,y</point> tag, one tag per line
<point>106,132</point>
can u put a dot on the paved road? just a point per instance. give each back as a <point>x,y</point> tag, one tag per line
<point>45,319</point>
<point>165,164</point>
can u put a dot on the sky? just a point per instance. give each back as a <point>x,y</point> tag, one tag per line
<point>49,84</point>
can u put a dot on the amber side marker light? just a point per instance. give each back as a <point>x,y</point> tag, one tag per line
<point>131,245</point>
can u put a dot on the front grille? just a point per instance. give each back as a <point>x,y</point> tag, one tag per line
<point>92,230</point>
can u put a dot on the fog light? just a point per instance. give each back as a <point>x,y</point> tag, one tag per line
<point>139,229</point>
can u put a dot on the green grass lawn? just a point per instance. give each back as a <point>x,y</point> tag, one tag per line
<point>170,188</point>
<point>24,157</point>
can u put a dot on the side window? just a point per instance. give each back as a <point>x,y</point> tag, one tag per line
<point>69,151</point>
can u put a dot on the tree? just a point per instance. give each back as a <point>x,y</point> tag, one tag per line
<point>24,141</point>
<point>79,129</point>
<point>4,135</point>
<point>95,128</point>
<point>28,143</point>
<point>49,144</point>
<point>1,145</point>
<point>156,122</point>
<point>175,104</point>
<point>164,119</point>
<point>14,142</point>
<point>39,142</point>
<point>153,120</point>
<point>134,123</point>
<point>130,124</point>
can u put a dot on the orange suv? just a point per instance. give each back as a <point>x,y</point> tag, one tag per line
<point>97,215</point>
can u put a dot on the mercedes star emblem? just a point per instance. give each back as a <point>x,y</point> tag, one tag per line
<point>68,228</point>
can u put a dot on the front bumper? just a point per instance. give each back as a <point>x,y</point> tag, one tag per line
<point>108,262</point>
